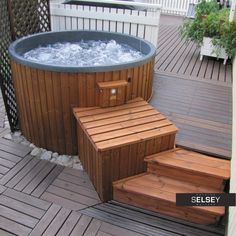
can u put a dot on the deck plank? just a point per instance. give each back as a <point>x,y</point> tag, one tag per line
<point>9,157</point>
<point>14,227</point>
<point>21,207</point>
<point>46,220</point>
<point>14,148</point>
<point>69,225</point>
<point>25,198</point>
<point>180,59</point>
<point>81,226</point>
<point>201,111</point>
<point>57,222</point>
<point>47,181</point>
<point>15,170</point>
<point>18,217</point>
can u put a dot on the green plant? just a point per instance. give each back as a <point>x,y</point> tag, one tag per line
<point>211,21</point>
<point>228,38</point>
<point>206,7</point>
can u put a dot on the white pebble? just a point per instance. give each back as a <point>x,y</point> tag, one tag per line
<point>46,155</point>
<point>63,159</point>
<point>8,136</point>
<point>78,166</point>
<point>32,145</point>
<point>17,134</point>
<point>25,142</point>
<point>35,152</point>
<point>55,155</point>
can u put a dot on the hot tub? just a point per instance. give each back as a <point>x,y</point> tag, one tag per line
<point>46,93</point>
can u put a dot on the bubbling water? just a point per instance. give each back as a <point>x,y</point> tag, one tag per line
<point>84,53</point>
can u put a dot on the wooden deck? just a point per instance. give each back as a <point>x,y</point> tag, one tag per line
<point>202,112</point>
<point>41,198</point>
<point>195,95</point>
<point>177,58</point>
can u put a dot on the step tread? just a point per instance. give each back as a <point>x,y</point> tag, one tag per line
<point>192,161</point>
<point>125,124</point>
<point>165,188</point>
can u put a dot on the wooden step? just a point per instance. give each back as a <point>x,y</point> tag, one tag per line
<point>186,165</point>
<point>158,194</point>
<point>114,141</point>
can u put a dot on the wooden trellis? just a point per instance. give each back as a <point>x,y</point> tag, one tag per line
<point>17,19</point>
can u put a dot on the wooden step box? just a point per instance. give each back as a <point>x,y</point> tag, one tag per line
<point>114,141</point>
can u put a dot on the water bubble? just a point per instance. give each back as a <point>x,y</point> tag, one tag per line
<point>84,53</point>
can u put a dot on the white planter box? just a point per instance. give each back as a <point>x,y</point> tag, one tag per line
<point>208,49</point>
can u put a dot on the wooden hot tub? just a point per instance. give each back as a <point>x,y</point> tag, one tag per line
<point>46,93</point>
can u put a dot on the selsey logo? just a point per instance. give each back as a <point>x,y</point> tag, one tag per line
<point>205,199</point>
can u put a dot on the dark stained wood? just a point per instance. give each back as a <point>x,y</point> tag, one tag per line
<point>110,137</point>
<point>46,99</point>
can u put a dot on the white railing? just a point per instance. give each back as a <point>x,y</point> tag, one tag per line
<point>144,24</point>
<point>175,7</point>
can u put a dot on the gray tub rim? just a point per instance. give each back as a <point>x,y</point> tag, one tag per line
<point>17,48</point>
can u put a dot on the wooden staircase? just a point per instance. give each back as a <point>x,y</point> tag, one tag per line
<point>171,172</point>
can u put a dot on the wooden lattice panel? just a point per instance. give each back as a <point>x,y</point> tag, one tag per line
<point>17,19</point>
<point>5,69</point>
<point>29,17</point>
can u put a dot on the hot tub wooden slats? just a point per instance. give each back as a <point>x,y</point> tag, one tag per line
<point>45,100</point>
<point>114,141</point>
